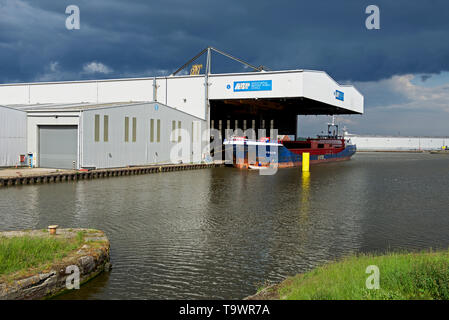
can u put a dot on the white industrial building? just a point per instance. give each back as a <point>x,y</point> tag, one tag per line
<point>260,99</point>
<point>397,143</point>
<point>109,135</point>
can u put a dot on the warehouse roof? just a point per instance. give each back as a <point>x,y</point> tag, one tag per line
<point>78,107</point>
<point>70,106</point>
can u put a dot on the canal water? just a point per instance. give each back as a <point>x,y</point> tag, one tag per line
<point>221,233</point>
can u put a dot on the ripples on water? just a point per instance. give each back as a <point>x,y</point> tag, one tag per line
<point>220,233</point>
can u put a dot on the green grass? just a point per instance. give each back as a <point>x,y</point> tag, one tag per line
<point>24,253</point>
<point>408,276</point>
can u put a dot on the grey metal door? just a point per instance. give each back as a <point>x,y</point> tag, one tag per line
<point>58,146</point>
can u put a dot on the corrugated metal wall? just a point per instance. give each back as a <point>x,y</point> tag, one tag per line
<point>124,137</point>
<point>379,143</point>
<point>13,124</point>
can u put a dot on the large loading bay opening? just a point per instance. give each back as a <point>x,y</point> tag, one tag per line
<point>279,113</point>
<point>58,146</point>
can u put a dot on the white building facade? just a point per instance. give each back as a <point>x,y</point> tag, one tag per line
<point>396,143</point>
<point>13,132</point>
<point>187,93</point>
<point>111,135</point>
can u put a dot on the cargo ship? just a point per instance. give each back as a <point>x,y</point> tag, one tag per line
<point>245,153</point>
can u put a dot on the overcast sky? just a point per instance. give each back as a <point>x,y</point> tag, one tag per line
<point>401,69</point>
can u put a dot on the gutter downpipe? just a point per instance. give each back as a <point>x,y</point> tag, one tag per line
<point>79,165</point>
<point>154,89</point>
<point>207,103</point>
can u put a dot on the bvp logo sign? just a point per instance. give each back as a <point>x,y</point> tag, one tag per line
<point>259,85</point>
<point>240,86</point>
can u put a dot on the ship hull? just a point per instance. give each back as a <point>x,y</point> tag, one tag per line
<point>248,156</point>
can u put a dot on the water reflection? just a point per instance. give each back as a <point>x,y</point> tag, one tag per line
<point>305,190</point>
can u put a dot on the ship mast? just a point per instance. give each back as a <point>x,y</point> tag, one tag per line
<point>332,125</point>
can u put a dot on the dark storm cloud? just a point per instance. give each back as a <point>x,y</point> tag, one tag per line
<point>140,37</point>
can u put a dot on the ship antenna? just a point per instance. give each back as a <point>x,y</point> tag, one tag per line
<point>332,124</point>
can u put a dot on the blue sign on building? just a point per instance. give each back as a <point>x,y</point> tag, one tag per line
<point>339,95</point>
<point>261,85</point>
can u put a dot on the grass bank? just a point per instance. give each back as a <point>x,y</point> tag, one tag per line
<point>423,275</point>
<point>35,264</point>
<point>26,252</point>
